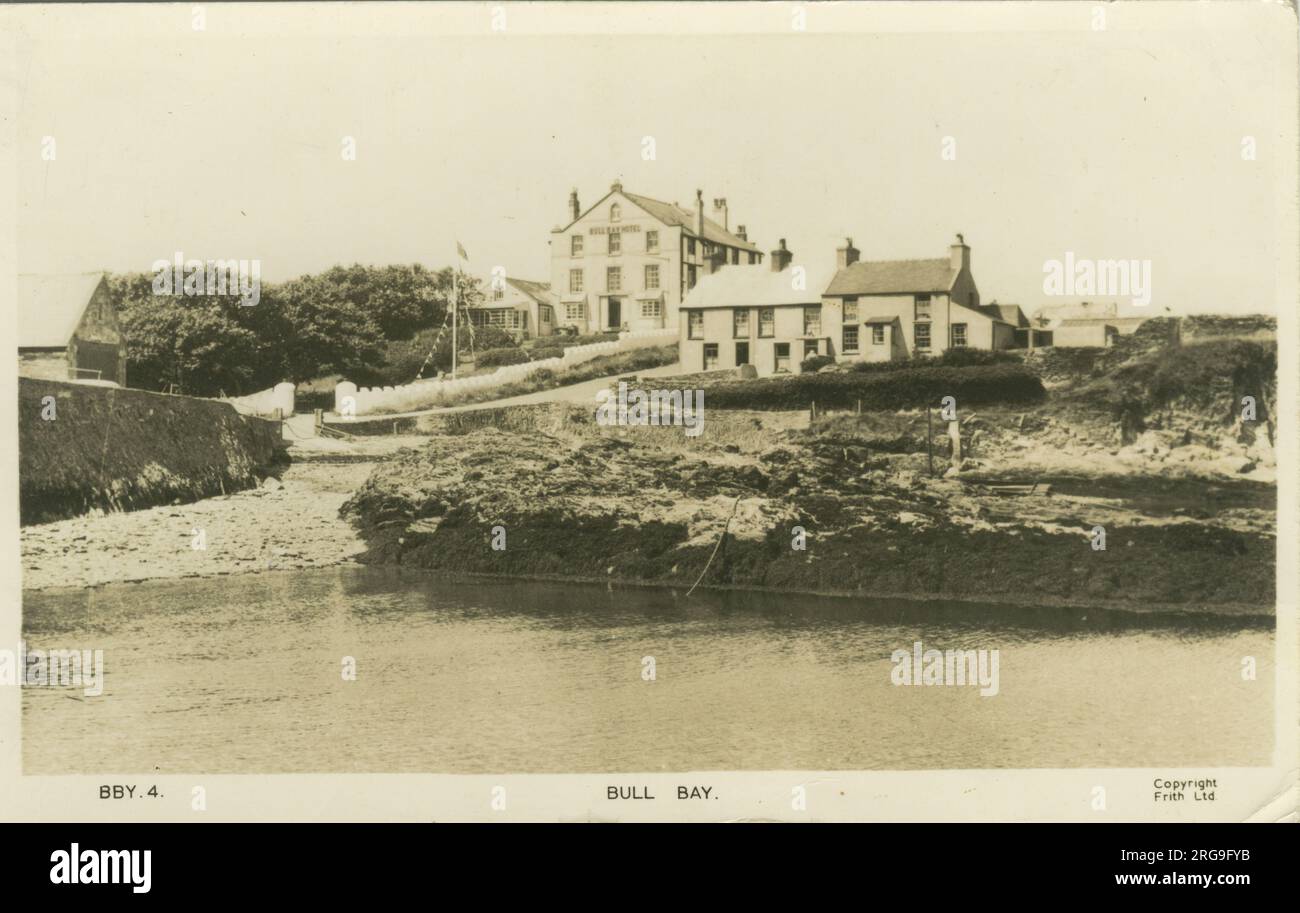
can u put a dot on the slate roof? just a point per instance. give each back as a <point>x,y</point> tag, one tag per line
<point>1007,313</point>
<point>538,291</point>
<point>886,277</point>
<point>672,214</point>
<point>51,306</point>
<point>753,285</point>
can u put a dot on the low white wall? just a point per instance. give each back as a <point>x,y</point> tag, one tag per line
<point>427,394</point>
<point>265,402</point>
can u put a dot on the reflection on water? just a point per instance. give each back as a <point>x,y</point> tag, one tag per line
<point>243,674</point>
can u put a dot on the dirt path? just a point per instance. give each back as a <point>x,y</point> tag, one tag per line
<point>583,392</point>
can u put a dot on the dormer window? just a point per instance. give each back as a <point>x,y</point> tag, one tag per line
<point>615,213</point>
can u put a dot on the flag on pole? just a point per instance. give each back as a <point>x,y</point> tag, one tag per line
<point>460,250</point>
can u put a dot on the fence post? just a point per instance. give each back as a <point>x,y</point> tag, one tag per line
<point>929,440</point>
<point>954,443</point>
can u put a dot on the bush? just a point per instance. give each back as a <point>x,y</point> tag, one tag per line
<point>495,358</point>
<point>815,363</point>
<point>565,339</point>
<point>965,358</point>
<point>488,338</point>
<point>549,351</point>
<point>952,358</point>
<point>885,390</point>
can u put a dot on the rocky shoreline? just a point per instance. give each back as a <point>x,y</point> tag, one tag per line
<point>289,522</point>
<point>641,506</point>
<point>569,500</point>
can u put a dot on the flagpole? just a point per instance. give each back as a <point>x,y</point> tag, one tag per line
<point>455,306</point>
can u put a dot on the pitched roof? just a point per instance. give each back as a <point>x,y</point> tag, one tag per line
<point>1007,313</point>
<point>51,306</point>
<point>538,291</point>
<point>1086,311</point>
<point>753,285</point>
<point>672,214</point>
<point>884,277</point>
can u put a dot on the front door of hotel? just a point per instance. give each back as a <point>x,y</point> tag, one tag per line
<point>615,314</point>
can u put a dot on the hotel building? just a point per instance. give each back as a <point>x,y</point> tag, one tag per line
<point>628,261</point>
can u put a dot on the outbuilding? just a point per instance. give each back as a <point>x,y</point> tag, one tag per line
<point>68,329</point>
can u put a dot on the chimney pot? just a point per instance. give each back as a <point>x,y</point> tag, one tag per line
<point>846,255</point>
<point>574,209</point>
<point>960,254</point>
<point>616,187</point>
<point>781,257</point>
<point>720,206</point>
<point>740,233</point>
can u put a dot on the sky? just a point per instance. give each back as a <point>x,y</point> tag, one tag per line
<point>227,142</point>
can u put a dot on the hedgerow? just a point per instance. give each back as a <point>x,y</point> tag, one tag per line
<point>915,387</point>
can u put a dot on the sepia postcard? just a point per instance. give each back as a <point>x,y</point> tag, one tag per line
<point>700,412</point>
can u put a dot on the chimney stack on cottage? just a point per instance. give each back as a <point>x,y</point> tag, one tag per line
<point>720,212</point>
<point>960,254</point>
<point>699,214</point>
<point>846,255</point>
<point>574,211</point>
<point>781,257</point>
<point>740,233</point>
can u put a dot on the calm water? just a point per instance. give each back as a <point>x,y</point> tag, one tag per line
<point>242,674</point>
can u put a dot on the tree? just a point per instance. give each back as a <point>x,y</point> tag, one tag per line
<point>329,334</point>
<point>350,320</point>
<point>189,342</point>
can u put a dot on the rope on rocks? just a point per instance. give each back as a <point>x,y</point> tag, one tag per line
<point>725,527</point>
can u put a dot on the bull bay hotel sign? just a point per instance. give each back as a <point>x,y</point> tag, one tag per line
<point>613,229</point>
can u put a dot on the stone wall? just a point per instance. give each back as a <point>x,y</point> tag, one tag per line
<point>83,447</point>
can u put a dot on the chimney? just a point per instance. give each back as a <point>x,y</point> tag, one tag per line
<point>846,255</point>
<point>616,187</point>
<point>959,254</point>
<point>699,214</point>
<point>574,210</point>
<point>740,233</point>
<point>781,258</point>
<point>720,209</point>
